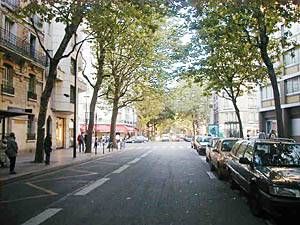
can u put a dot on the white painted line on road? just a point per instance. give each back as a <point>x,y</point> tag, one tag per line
<point>121,169</point>
<point>134,161</point>
<point>145,154</point>
<point>92,186</point>
<point>211,175</point>
<point>42,216</point>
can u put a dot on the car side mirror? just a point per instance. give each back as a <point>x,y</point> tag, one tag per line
<point>244,160</point>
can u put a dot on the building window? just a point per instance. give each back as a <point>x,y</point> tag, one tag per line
<point>291,57</point>
<point>267,92</point>
<point>72,94</point>
<point>32,87</point>
<point>30,128</point>
<point>293,85</point>
<point>7,80</point>
<point>73,66</point>
<point>32,45</point>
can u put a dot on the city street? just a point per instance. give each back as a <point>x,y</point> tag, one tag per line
<point>148,184</point>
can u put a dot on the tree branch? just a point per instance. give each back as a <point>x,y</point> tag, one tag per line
<point>39,39</point>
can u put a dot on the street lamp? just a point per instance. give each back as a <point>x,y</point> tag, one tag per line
<point>75,103</point>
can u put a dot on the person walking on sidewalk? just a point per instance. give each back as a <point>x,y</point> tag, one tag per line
<point>11,152</point>
<point>96,145</point>
<point>48,148</point>
<point>80,142</point>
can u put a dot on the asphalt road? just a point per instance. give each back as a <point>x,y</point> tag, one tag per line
<point>164,183</point>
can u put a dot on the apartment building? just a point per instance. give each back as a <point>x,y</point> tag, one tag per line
<point>223,115</point>
<point>60,119</point>
<point>289,87</point>
<point>22,67</point>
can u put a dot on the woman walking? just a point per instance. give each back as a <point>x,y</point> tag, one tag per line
<point>48,148</point>
<point>11,152</point>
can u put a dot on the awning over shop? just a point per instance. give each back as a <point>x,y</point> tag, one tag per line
<point>12,113</point>
<point>105,128</point>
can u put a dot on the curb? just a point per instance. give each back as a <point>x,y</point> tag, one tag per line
<point>22,176</point>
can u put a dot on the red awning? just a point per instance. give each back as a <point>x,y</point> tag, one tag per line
<point>105,128</point>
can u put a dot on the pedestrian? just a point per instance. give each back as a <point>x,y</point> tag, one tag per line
<point>96,145</point>
<point>11,152</point>
<point>85,140</point>
<point>80,142</point>
<point>48,148</point>
<point>272,134</point>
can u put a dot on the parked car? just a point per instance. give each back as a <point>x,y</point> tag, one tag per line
<point>269,172</point>
<point>200,143</point>
<point>210,146</point>
<point>165,137</point>
<point>219,156</point>
<point>188,138</point>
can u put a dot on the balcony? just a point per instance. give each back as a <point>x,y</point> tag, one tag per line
<point>7,89</point>
<point>31,137</point>
<point>31,95</point>
<point>11,4</point>
<point>16,44</point>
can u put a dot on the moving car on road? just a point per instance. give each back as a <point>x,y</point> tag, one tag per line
<point>219,156</point>
<point>165,137</point>
<point>137,139</point>
<point>269,172</point>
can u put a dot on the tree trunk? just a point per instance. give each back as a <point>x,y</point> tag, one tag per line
<point>273,79</point>
<point>238,115</point>
<point>91,125</point>
<point>39,153</point>
<point>114,123</point>
<point>263,46</point>
<point>46,94</point>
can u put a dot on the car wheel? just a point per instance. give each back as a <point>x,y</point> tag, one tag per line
<point>232,183</point>
<point>220,173</point>
<point>254,202</point>
<point>212,168</point>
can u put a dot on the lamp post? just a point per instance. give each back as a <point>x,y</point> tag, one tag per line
<point>75,103</point>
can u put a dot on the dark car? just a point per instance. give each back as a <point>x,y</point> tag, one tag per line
<point>269,172</point>
<point>219,156</point>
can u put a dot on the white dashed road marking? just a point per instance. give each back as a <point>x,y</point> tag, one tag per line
<point>134,161</point>
<point>92,186</point>
<point>42,216</point>
<point>121,169</point>
<point>211,175</point>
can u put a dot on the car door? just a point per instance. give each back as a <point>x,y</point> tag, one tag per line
<point>214,153</point>
<point>236,169</point>
<point>246,170</point>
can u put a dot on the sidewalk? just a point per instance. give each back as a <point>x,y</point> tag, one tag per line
<point>60,158</point>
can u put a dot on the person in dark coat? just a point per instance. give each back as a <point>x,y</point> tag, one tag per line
<point>48,148</point>
<point>11,152</point>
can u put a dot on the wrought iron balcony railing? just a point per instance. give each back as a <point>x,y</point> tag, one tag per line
<point>20,46</point>
<point>30,136</point>
<point>7,89</point>
<point>13,4</point>
<point>31,95</point>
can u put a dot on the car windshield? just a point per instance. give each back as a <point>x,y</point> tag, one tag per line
<point>277,154</point>
<point>206,139</point>
<point>227,145</point>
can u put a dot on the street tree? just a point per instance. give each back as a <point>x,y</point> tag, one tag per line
<point>260,22</point>
<point>71,14</point>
